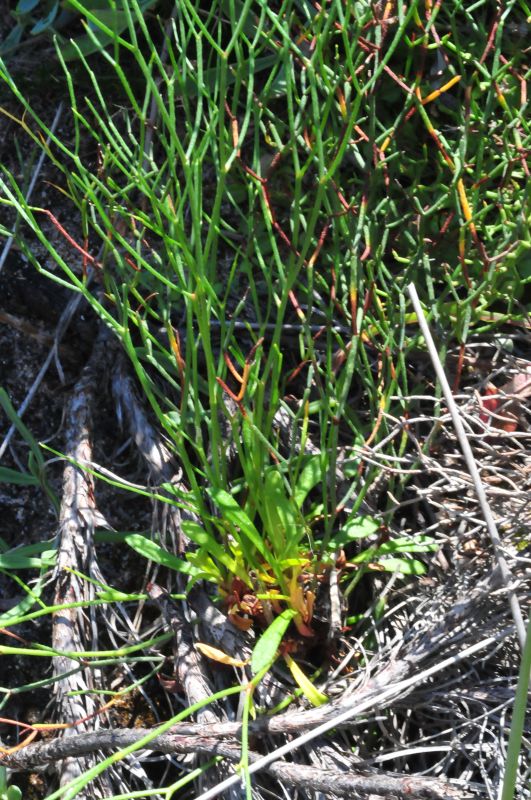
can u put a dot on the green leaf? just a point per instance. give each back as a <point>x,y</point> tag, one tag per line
<point>35,458</point>
<point>421,544</point>
<point>308,480</point>
<point>234,513</point>
<point>279,85</point>
<point>286,563</point>
<point>25,6</point>
<point>8,475</point>
<point>25,605</point>
<point>154,552</point>
<point>37,548</point>
<point>15,420</point>
<point>12,39</point>
<point>83,45</point>
<point>14,793</point>
<point>406,566</point>
<point>113,19</point>
<point>279,514</point>
<point>46,22</point>
<point>114,537</point>
<point>310,691</point>
<point>14,560</point>
<point>192,87</point>
<point>237,7</point>
<point>355,528</point>
<point>113,596</point>
<point>205,566</point>
<point>265,650</point>
<point>206,541</point>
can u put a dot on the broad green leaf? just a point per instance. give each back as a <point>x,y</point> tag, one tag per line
<point>8,792</point>
<point>279,85</point>
<point>113,19</point>
<point>308,479</point>
<point>113,537</point>
<point>355,528</point>
<point>420,544</point>
<point>234,513</point>
<point>113,596</point>
<point>523,262</point>
<point>206,541</point>
<point>408,566</point>
<point>83,45</point>
<point>8,475</point>
<point>94,6</point>
<point>37,555</point>
<point>24,606</point>
<point>198,577</point>
<point>202,562</point>
<point>37,548</point>
<point>313,694</point>
<point>237,7</point>
<point>15,561</point>
<point>154,552</point>
<point>273,523</point>
<point>192,87</point>
<point>44,23</point>
<point>265,650</point>
<point>25,6</point>
<point>12,39</point>
<point>284,528</point>
<point>286,563</point>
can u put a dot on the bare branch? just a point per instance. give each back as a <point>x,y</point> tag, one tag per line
<point>472,466</point>
<point>75,551</point>
<point>328,781</point>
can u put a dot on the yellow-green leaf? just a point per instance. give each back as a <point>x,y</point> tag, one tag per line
<point>315,697</point>
<point>218,655</point>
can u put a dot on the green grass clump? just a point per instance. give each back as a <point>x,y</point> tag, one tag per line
<point>245,191</point>
<point>247,208</point>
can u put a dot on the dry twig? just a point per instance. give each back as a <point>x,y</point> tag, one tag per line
<point>472,466</point>
<point>75,552</point>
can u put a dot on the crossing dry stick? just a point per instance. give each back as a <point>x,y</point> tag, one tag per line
<point>472,467</point>
<point>392,691</point>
